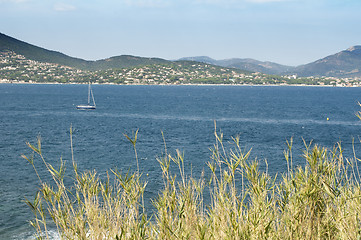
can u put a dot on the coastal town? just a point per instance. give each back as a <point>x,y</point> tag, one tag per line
<point>15,68</point>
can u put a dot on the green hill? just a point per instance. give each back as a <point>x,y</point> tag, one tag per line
<point>124,61</point>
<point>43,55</point>
<point>40,54</point>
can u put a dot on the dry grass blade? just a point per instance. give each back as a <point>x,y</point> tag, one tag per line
<point>321,200</point>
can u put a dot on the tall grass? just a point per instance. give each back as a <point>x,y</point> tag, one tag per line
<point>321,200</point>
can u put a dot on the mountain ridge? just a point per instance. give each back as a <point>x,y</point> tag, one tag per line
<point>346,63</point>
<point>248,64</point>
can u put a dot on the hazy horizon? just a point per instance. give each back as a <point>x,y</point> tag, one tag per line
<point>288,32</point>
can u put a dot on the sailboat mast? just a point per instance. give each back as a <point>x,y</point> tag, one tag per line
<point>87,107</point>
<point>89,93</point>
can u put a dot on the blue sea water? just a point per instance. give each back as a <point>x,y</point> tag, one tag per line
<point>264,117</point>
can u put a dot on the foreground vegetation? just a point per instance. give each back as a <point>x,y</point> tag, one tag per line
<point>321,200</point>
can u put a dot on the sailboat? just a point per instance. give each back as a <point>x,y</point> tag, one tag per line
<point>88,107</point>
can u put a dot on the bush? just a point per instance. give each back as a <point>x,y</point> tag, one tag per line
<point>321,200</point>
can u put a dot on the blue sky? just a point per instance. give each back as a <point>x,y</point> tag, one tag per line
<point>290,32</point>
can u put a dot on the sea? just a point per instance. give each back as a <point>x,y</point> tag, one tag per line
<point>168,118</point>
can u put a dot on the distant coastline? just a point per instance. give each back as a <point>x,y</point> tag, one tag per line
<point>18,67</point>
<point>187,84</point>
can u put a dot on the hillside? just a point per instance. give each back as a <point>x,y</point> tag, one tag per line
<point>39,54</point>
<point>247,64</point>
<point>346,63</point>
<point>124,61</point>
<point>47,56</point>
<point>255,65</point>
<point>16,68</point>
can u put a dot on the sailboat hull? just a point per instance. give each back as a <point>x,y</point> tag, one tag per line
<point>85,107</point>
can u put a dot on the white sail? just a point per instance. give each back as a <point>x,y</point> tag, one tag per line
<point>89,106</point>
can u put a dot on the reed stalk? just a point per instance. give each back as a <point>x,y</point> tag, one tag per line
<point>320,200</point>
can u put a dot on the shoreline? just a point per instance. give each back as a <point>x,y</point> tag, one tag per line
<point>187,84</point>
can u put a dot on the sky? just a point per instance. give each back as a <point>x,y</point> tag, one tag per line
<point>289,32</point>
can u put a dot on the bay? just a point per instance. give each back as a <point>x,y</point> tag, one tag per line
<point>263,116</point>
